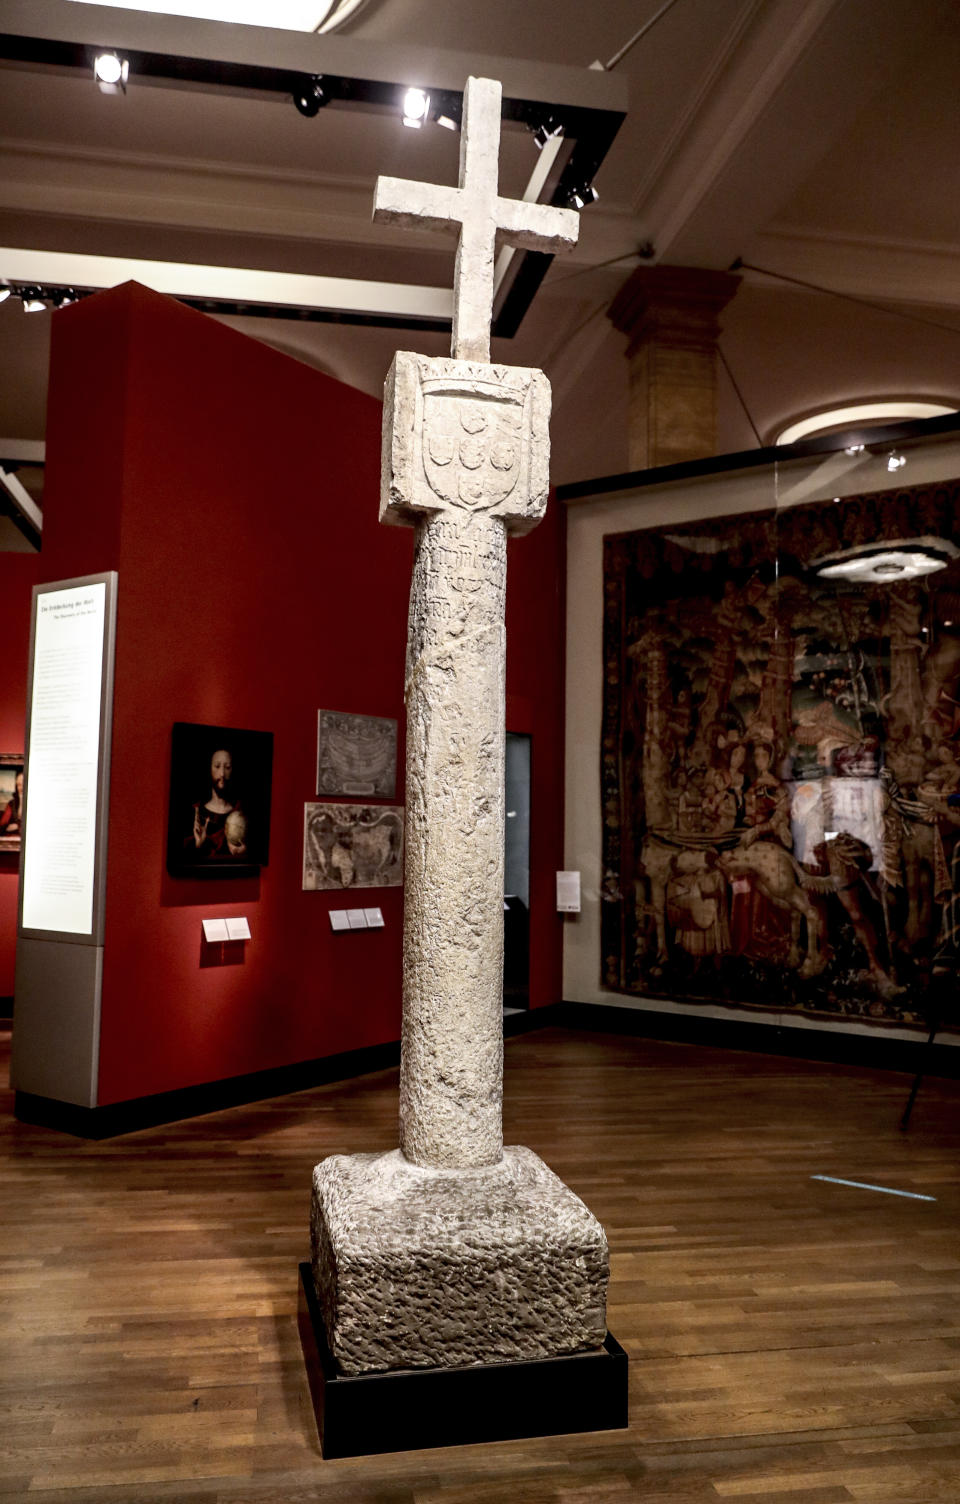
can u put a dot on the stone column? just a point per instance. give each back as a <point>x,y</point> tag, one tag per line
<point>670,316</point>
<point>464,461</point>
<point>451,1080</point>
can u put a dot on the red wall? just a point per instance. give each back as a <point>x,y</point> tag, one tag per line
<point>235,491</point>
<point>536,612</point>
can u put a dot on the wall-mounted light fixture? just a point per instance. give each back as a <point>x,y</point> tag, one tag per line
<point>890,563</point>
<point>416,108</point>
<point>311,97</point>
<point>580,197</point>
<point>37,298</point>
<point>546,131</point>
<point>111,72</point>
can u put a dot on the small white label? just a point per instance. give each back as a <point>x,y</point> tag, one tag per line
<point>358,919</point>
<point>215,930</point>
<point>374,919</point>
<point>339,919</point>
<point>238,929</point>
<point>568,892</point>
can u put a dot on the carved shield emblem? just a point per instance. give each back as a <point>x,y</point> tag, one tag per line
<point>471,447</point>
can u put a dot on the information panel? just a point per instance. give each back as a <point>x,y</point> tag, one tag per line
<point>63,759</point>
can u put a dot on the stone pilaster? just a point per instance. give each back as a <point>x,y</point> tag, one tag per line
<point>670,315</point>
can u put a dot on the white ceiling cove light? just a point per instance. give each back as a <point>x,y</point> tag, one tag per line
<point>852,416</point>
<point>888,563</point>
<point>289,15</point>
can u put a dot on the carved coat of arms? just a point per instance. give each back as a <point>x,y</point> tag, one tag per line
<point>472,445</point>
<point>461,436</point>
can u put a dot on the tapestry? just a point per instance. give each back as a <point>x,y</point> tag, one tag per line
<point>780,757</point>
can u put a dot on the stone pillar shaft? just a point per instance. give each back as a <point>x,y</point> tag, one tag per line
<point>451,1075</point>
<point>670,315</point>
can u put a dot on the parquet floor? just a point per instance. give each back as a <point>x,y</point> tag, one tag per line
<point>791,1341</point>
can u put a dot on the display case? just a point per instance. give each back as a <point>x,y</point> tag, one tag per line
<point>763,743</point>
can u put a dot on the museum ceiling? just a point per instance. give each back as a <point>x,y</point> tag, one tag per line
<point>815,138</point>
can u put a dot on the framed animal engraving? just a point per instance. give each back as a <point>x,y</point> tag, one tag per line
<point>352,846</point>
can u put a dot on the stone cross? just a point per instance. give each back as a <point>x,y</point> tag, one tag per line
<point>476,213</point>
<point>465,460</point>
<point>453,1251</point>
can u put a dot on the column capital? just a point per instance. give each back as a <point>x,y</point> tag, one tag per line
<point>680,303</point>
<point>463,437</point>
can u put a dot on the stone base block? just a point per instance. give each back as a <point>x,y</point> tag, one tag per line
<point>408,1409</point>
<point>418,1268</point>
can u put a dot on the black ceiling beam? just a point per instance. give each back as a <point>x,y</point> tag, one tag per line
<point>173,51</point>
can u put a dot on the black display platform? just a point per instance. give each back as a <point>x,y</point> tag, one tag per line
<point>412,1408</point>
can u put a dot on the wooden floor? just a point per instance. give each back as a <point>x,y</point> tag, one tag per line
<point>790,1340</point>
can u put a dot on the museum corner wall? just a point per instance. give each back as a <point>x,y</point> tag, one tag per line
<point>18,575</point>
<point>235,491</point>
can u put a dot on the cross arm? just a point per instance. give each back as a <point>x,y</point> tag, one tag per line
<point>418,206</point>
<point>537,227</point>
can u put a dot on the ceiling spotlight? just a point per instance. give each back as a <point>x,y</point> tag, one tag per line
<point>854,449</point>
<point>546,131</point>
<point>888,563</point>
<point>32,301</point>
<point>311,97</point>
<point>896,461</point>
<point>416,105</point>
<point>444,109</point>
<point>111,72</point>
<point>62,297</point>
<point>580,197</point>
<point>5,292</point>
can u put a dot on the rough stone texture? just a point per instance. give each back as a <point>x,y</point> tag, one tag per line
<point>423,1268</point>
<point>475,213</point>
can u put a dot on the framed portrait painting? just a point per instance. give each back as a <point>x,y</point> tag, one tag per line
<point>11,800</point>
<point>219,816</point>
